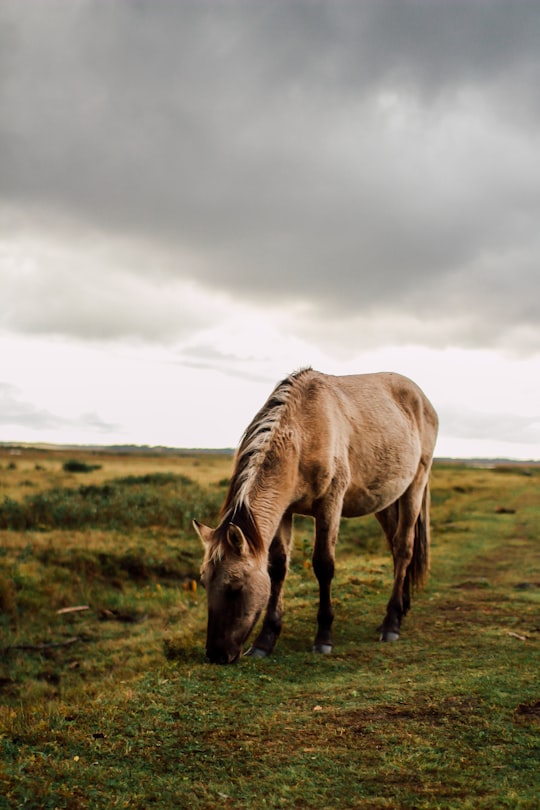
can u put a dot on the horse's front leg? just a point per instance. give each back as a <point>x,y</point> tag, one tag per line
<point>278,563</point>
<point>323,566</point>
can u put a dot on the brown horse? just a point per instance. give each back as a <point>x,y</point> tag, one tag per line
<point>327,447</point>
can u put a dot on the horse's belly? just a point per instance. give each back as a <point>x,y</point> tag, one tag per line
<point>357,507</point>
<point>359,501</point>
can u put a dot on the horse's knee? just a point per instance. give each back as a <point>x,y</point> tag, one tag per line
<point>323,567</point>
<point>278,560</point>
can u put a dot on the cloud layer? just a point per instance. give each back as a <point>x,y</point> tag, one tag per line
<point>345,161</point>
<point>197,197</point>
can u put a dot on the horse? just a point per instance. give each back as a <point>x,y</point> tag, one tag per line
<point>327,447</point>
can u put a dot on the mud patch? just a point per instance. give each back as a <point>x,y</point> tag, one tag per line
<point>530,711</point>
<point>454,710</point>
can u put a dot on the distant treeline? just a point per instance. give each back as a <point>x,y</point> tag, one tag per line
<point>120,449</point>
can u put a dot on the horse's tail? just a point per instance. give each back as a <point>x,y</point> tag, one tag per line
<point>419,566</point>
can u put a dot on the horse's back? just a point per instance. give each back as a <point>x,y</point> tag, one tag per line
<point>372,431</point>
<point>382,402</point>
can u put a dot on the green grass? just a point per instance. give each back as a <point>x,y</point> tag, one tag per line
<point>124,711</point>
<point>159,499</point>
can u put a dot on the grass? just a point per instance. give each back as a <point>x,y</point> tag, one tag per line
<point>29,470</point>
<point>123,711</point>
<point>154,499</point>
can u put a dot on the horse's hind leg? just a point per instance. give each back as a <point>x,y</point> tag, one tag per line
<point>400,522</point>
<point>278,561</point>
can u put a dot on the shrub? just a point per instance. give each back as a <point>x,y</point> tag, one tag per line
<point>167,501</point>
<point>75,466</point>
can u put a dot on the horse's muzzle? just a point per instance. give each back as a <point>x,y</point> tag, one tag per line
<point>222,657</point>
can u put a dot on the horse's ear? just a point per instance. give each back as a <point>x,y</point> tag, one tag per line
<point>237,539</point>
<point>204,532</point>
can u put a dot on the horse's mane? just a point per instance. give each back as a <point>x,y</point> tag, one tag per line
<point>254,446</point>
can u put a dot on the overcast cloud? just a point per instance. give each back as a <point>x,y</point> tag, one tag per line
<point>362,173</point>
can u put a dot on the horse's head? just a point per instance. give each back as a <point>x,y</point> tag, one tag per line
<point>237,588</point>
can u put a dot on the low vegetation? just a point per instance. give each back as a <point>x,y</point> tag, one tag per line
<point>106,700</point>
<point>80,466</point>
<point>155,499</point>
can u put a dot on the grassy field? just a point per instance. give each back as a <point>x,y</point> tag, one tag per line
<point>106,700</point>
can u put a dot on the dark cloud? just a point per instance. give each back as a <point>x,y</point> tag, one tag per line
<point>356,156</point>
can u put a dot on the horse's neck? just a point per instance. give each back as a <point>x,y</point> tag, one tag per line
<point>269,500</point>
<point>265,477</point>
<point>267,511</point>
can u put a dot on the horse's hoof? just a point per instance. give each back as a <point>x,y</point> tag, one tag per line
<point>324,649</point>
<point>389,636</point>
<point>256,652</point>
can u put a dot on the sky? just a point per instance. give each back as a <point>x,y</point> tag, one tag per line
<point>199,197</point>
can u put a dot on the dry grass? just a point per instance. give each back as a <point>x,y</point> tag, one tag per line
<point>34,470</point>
